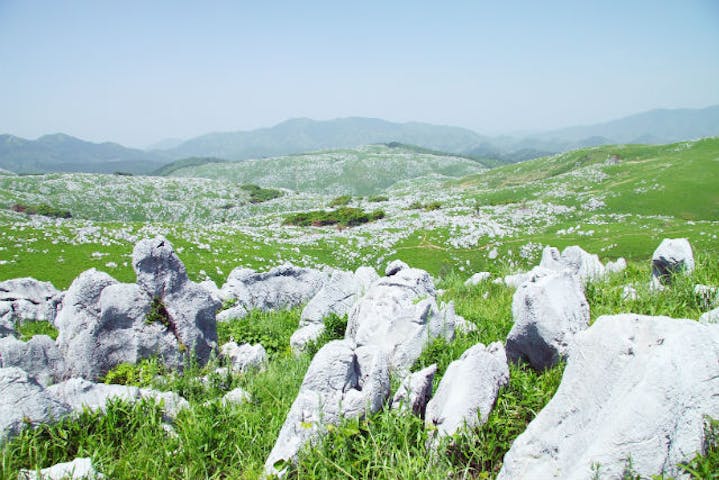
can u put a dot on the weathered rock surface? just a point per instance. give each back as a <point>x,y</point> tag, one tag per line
<point>24,401</point>
<point>634,387</point>
<point>244,357</point>
<point>710,317</point>
<point>415,391</point>
<point>399,314</point>
<point>236,397</point>
<point>282,287</point>
<point>468,390</point>
<point>79,394</point>
<point>337,296</point>
<point>232,313</point>
<point>517,279</point>
<point>27,299</point>
<point>303,336</point>
<point>7,326</point>
<point>343,381</point>
<point>548,313</point>
<point>39,357</point>
<point>80,468</point>
<point>477,278</point>
<point>104,323</point>
<point>672,256</point>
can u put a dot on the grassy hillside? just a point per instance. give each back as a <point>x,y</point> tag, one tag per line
<point>361,171</point>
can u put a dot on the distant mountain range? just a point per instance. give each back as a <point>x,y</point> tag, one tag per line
<point>61,152</point>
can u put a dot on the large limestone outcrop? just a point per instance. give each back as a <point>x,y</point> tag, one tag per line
<point>343,381</point>
<point>548,313</point>
<point>635,387</point>
<point>338,296</point>
<point>286,286</point>
<point>399,314</point>
<point>468,390</point>
<point>672,256</point>
<point>39,357</point>
<point>27,299</point>
<point>25,402</point>
<point>103,323</point>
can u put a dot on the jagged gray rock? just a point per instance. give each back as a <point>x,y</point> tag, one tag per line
<point>23,402</point>
<point>635,387</point>
<point>672,256</point>
<point>78,469</point>
<point>244,357</point>
<point>394,267</point>
<point>415,391</point>
<point>303,336</point>
<point>7,326</point>
<point>517,279</point>
<point>343,381</point>
<point>399,314</point>
<point>39,357</point>
<point>232,313</point>
<point>286,286</point>
<point>79,394</point>
<point>104,323</point>
<point>619,265</point>
<point>468,390</point>
<point>548,313</point>
<point>27,299</point>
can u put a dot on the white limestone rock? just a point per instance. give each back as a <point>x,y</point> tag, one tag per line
<point>23,402</point>
<point>337,296</point>
<point>232,313</point>
<point>78,469</point>
<point>468,390</point>
<point>236,397</point>
<point>39,357</point>
<point>303,336</point>
<point>415,391</point>
<point>399,314</point>
<point>548,313</point>
<point>710,317</point>
<point>27,299</point>
<point>343,381</point>
<point>617,266</point>
<point>244,357</point>
<point>477,278</point>
<point>635,387</point>
<point>672,256</point>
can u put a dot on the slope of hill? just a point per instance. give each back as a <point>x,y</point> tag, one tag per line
<point>63,153</point>
<point>171,167</point>
<point>360,171</point>
<point>304,135</point>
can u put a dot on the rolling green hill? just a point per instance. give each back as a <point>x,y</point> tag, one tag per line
<point>361,171</point>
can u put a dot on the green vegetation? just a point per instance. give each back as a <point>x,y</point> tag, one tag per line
<point>259,194</point>
<point>28,329</point>
<point>158,314</point>
<point>43,209</point>
<point>377,198</point>
<point>272,329</point>
<point>344,216</point>
<point>185,163</point>
<point>429,206</point>
<point>341,201</point>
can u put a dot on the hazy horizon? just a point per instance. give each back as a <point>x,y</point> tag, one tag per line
<point>138,73</point>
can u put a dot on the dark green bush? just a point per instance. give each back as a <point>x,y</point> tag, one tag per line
<point>344,216</point>
<point>341,201</point>
<point>42,209</point>
<point>259,194</point>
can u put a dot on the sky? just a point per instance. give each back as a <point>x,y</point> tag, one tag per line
<point>138,72</point>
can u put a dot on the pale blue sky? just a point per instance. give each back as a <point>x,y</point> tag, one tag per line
<point>139,72</point>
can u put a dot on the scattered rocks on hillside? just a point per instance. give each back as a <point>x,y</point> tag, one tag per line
<point>286,286</point>
<point>477,278</point>
<point>79,394</point>
<point>343,381</point>
<point>399,314</point>
<point>672,256</point>
<point>25,402</point>
<point>80,468</point>
<point>27,299</point>
<point>104,323</point>
<point>548,312</point>
<point>39,357</point>
<point>468,389</point>
<point>244,357</point>
<point>415,391</point>
<point>635,387</point>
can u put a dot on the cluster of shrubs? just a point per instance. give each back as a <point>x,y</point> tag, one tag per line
<point>259,194</point>
<point>344,216</point>
<point>417,205</point>
<point>42,209</point>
